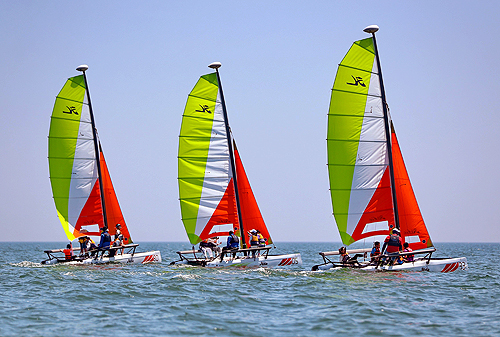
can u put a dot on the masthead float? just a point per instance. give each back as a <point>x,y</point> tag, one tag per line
<point>84,196</point>
<point>369,186</point>
<point>215,195</point>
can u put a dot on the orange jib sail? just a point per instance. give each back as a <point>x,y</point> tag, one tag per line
<point>411,221</point>
<point>113,212</point>
<point>250,212</point>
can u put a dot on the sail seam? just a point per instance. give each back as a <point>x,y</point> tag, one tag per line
<point>201,117</point>
<point>351,116</point>
<point>70,120</point>
<point>71,100</point>
<point>356,93</point>
<point>356,141</point>
<point>203,98</point>
<point>363,70</point>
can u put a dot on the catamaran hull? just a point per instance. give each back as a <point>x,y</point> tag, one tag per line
<point>434,265</point>
<point>146,257</point>
<point>271,261</point>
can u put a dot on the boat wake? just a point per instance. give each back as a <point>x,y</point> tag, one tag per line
<point>27,264</point>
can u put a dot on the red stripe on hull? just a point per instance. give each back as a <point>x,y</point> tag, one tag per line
<point>149,258</point>
<point>455,267</point>
<point>285,262</point>
<point>450,267</point>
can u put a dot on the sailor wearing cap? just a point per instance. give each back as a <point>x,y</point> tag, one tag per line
<point>105,238</point>
<point>254,238</point>
<point>118,231</point>
<point>393,242</point>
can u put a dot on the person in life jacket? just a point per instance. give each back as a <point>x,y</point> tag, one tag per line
<point>83,245</point>
<point>68,252</point>
<point>214,243</point>
<point>408,258</point>
<point>117,243</point>
<point>105,239</point>
<point>262,239</point>
<point>392,242</point>
<point>118,231</point>
<point>254,238</point>
<point>375,253</point>
<point>206,248</point>
<point>91,246</point>
<point>344,257</point>
<point>232,241</point>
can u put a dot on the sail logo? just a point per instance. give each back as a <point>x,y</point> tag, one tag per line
<point>72,110</point>
<point>357,81</point>
<point>204,108</point>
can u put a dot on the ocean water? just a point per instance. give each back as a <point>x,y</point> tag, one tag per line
<point>161,300</point>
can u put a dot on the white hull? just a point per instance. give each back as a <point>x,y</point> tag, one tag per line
<point>143,257</point>
<point>434,265</point>
<point>269,261</point>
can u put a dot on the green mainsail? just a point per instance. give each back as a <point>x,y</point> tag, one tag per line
<point>202,142</point>
<point>69,126</point>
<point>354,100</point>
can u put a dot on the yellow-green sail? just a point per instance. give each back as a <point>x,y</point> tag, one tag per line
<point>71,153</point>
<point>204,164</point>
<point>357,152</point>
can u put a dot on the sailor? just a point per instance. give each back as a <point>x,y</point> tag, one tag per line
<point>118,231</point>
<point>83,245</point>
<point>410,257</point>
<point>344,257</point>
<point>262,239</point>
<point>91,246</point>
<point>206,248</point>
<point>214,245</point>
<point>375,253</point>
<point>116,243</point>
<point>392,243</point>
<point>254,238</point>
<point>232,241</point>
<point>68,252</point>
<point>105,239</point>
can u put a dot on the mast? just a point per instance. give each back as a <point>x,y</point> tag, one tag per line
<point>83,68</point>
<point>372,30</point>
<point>216,66</point>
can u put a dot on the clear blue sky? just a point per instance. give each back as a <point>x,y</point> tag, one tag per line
<point>279,58</point>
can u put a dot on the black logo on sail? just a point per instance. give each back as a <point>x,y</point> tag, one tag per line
<point>204,108</point>
<point>357,81</point>
<point>72,110</point>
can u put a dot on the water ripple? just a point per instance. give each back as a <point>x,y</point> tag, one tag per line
<point>159,299</point>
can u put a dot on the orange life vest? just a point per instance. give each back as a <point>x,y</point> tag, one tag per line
<point>68,253</point>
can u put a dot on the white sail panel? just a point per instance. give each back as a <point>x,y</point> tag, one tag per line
<point>218,170</point>
<point>372,157</point>
<point>84,174</point>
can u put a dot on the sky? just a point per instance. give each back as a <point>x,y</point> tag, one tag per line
<point>279,59</point>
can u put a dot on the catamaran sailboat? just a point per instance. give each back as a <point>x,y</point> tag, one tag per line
<point>84,196</point>
<point>370,188</point>
<point>214,191</point>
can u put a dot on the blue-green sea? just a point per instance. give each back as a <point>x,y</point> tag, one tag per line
<point>161,300</point>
